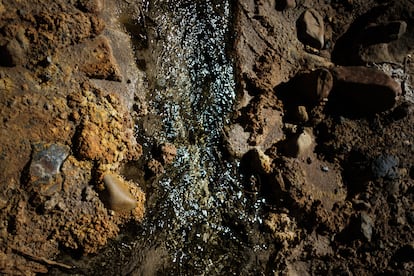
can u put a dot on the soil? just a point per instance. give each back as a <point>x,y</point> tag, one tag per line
<point>323,127</point>
<point>335,167</point>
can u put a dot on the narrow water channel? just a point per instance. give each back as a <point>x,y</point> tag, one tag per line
<point>201,213</point>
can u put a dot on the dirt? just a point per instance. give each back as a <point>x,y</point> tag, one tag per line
<point>323,128</point>
<point>333,162</point>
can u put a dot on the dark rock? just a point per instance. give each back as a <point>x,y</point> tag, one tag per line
<point>385,166</point>
<point>12,54</point>
<point>402,111</point>
<point>308,89</point>
<point>92,6</point>
<point>410,217</point>
<point>45,166</point>
<point>383,33</point>
<point>256,161</point>
<point>404,254</point>
<point>47,160</point>
<point>301,114</point>
<point>374,53</point>
<point>362,90</point>
<point>285,4</point>
<point>311,29</point>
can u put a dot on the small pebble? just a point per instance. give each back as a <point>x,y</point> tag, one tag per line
<point>325,169</point>
<point>366,226</point>
<point>119,196</point>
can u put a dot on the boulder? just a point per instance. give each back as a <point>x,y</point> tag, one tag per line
<point>362,90</point>
<point>311,29</point>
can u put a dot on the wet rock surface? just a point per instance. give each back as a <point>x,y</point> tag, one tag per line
<point>313,174</point>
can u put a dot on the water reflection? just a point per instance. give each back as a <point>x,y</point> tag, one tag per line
<point>201,214</point>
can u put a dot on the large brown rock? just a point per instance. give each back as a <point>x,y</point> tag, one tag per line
<point>362,90</point>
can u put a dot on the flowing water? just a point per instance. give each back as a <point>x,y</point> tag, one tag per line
<point>199,220</point>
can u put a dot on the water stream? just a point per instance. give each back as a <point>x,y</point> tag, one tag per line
<point>198,210</point>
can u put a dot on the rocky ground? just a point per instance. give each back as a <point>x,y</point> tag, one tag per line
<point>67,79</point>
<point>323,127</point>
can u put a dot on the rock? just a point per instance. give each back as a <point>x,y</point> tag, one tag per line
<point>375,53</point>
<point>300,144</point>
<point>263,130</point>
<point>285,4</point>
<point>301,114</point>
<point>309,88</point>
<point>410,217</point>
<point>98,61</point>
<point>92,6</point>
<point>45,166</point>
<point>311,29</point>
<point>325,168</point>
<point>168,153</point>
<point>362,90</point>
<point>118,195</point>
<point>385,166</point>
<point>384,33</point>
<point>366,226</point>
<point>12,54</point>
<point>404,254</point>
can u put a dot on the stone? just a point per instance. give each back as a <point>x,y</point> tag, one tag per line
<point>384,33</point>
<point>300,144</point>
<point>12,54</point>
<point>98,61</point>
<point>404,254</point>
<point>47,160</point>
<point>311,29</point>
<point>301,114</point>
<point>410,217</point>
<point>309,88</point>
<point>376,53</point>
<point>119,197</point>
<point>92,6</point>
<point>366,226</point>
<point>363,90</point>
<point>45,165</point>
<point>385,166</point>
<point>285,4</point>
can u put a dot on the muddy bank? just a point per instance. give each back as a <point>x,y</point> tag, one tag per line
<point>324,130</point>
